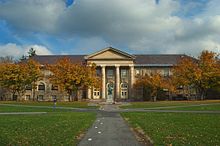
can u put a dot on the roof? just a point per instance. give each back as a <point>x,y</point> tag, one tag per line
<point>158,60</point>
<point>52,59</point>
<point>110,49</point>
<point>140,60</point>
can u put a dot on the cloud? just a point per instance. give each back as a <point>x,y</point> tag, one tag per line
<point>143,26</point>
<point>32,15</point>
<point>17,51</point>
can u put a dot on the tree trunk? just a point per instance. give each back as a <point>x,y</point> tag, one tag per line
<point>69,97</point>
<point>76,97</point>
<point>33,95</point>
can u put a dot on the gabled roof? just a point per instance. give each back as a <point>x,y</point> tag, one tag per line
<point>52,59</point>
<point>129,56</point>
<point>139,59</point>
<point>158,60</point>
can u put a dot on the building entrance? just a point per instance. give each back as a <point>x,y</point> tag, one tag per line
<point>96,93</point>
<point>124,90</point>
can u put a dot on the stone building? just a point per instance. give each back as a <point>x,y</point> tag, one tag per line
<point>118,70</point>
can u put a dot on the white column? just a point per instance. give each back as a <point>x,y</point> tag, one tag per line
<point>131,80</point>
<point>103,82</point>
<point>117,81</point>
<point>89,93</point>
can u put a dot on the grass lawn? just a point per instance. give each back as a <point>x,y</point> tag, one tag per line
<point>75,104</point>
<point>9,108</point>
<point>167,103</point>
<point>178,128</point>
<point>53,128</point>
<point>211,107</point>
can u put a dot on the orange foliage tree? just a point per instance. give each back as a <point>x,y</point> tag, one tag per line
<point>33,74</point>
<point>154,83</point>
<point>71,77</point>
<point>16,76</point>
<point>202,73</point>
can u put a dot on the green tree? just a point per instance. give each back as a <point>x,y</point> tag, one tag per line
<point>31,52</point>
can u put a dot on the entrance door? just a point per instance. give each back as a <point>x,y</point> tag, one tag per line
<point>124,90</point>
<point>96,93</point>
<point>110,92</point>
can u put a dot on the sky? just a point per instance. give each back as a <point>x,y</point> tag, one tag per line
<point>84,26</point>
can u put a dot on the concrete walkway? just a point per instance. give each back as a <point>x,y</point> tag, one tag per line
<point>22,113</point>
<point>115,108</point>
<point>109,129</point>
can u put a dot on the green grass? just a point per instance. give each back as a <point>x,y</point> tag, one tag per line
<point>47,129</point>
<point>9,108</point>
<point>75,104</point>
<point>167,103</point>
<point>211,107</point>
<point>178,128</point>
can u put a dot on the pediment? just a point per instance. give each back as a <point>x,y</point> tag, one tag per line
<point>110,53</point>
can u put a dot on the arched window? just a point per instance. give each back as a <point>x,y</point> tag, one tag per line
<point>41,86</point>
<point>124,85</point>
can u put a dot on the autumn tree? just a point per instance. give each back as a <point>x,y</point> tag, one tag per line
<point>202,73</point>
<point>184,74</point>
<point>33,73</point>
<point>169,85</point>
<point>71,77</point>
<point>154,83</point>
<point>13,77</point>
<point>3,60</point>
<point>16,76</point>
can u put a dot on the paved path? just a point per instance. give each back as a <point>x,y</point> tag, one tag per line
<point>22,113</point>
<point>116,109</point>
<point>109,129</point>
<point>169,111</point>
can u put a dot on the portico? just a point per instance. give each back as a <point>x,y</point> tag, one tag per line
<point>116,69</point>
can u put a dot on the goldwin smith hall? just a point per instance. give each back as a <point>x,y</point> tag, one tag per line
<point>118,70</point>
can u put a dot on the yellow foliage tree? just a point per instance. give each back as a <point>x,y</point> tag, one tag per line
<point>202,73</point>
<point>71,77</point>
<point>153,82</point>
<point>33,74</point>
<point>16,76</point>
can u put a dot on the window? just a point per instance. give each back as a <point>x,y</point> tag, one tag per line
<point>98,72</point>
<point>54,87</point>
<point>40,97</point>
<point>147,72</point>
<point>110,73</point>
<point>27,97</point>
<point>124,73</point>
<point>41,86</point>
<point>166,72</point>
<point>154,71</point>
<point>138,72</point>
<point>96,93</point>
<point>124,86</point>
<point>28,87</point>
